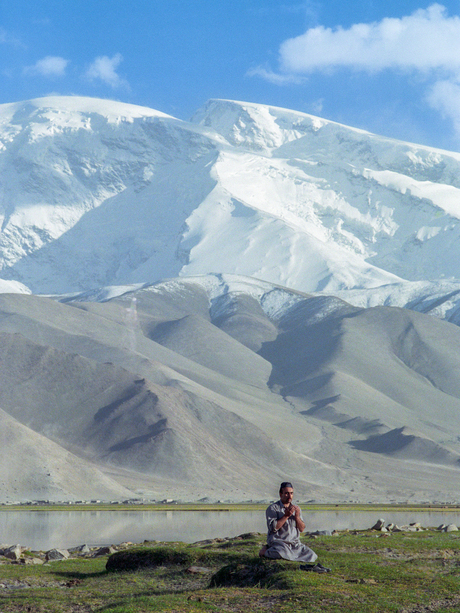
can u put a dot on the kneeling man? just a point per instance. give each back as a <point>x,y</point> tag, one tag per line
<point>285,523</point>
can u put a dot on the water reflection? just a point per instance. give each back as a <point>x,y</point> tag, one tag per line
<point>47,529</point>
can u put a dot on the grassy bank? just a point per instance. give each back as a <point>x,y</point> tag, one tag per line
<point>402,572</point>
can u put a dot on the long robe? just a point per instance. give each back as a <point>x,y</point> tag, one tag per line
<point>285,542</point>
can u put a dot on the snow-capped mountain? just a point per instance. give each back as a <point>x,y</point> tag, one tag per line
<point>220,293</point>
<point>97,193</point>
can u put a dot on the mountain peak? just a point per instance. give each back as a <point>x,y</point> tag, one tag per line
<point>258,127</point>
<point>98,192</point>
<point>50,108</point>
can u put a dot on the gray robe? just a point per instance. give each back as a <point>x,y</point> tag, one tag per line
<point>285,542</point>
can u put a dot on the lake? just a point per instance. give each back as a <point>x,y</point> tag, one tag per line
<point>43,530</point>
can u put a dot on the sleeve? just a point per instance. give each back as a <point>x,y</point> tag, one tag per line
<point>272,518</point>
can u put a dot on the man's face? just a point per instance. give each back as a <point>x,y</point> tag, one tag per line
<point>286,495</point>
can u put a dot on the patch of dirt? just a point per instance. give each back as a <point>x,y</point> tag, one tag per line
<point>436,605</point>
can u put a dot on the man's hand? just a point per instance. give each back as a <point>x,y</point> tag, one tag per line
<point>291,511</point>
<point>299,523</point>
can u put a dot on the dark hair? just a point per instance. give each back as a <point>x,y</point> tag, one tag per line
<point>285,484</point>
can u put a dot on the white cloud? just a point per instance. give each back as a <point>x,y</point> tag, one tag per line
<point>104,68</point>
<point>425,43</point>
<point>274,77</point>
<point>426,40</point>
<point>50,66</point>
<point>8,39</point>
<point>444,96</point>
<point>317,106</point>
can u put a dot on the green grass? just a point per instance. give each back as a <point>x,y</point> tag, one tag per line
<point>404,572</point>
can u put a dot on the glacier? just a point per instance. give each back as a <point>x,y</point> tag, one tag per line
<point>99,193</point>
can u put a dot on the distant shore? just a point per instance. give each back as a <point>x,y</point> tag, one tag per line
<point>197,506</point>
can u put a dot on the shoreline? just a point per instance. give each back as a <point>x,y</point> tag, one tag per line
<point>225,507</point>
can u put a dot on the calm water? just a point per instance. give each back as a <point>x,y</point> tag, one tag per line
<point>48,529</point>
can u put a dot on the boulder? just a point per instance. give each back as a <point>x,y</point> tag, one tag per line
<point>32,561</point>
<point>13,552</point>
<point>103,551</point>
<point>390,527</point>
<point>56,554</point>
<point>451,528</point>
<point>79,550</point>
<point>411,528</point>
<point>379,524</point>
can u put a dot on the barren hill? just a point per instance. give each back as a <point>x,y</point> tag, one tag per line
<point>218,391</point>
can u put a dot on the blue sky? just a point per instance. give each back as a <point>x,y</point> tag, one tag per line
<point>389,67</point>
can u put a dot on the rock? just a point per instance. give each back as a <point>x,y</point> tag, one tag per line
<point>13,552</point>
<point>442,527</point>
<point>33,561</point>
<point>103,551</point>
<point>56,554</point>
<point>451,528</point>
<point>248,535</point>
<point>208,542</point>
<point>81,549</point>
<point>410,528</point>
<point>29,561</point>
<point>379,524</point>
<point>414,527</point>
<point>390,527</point>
